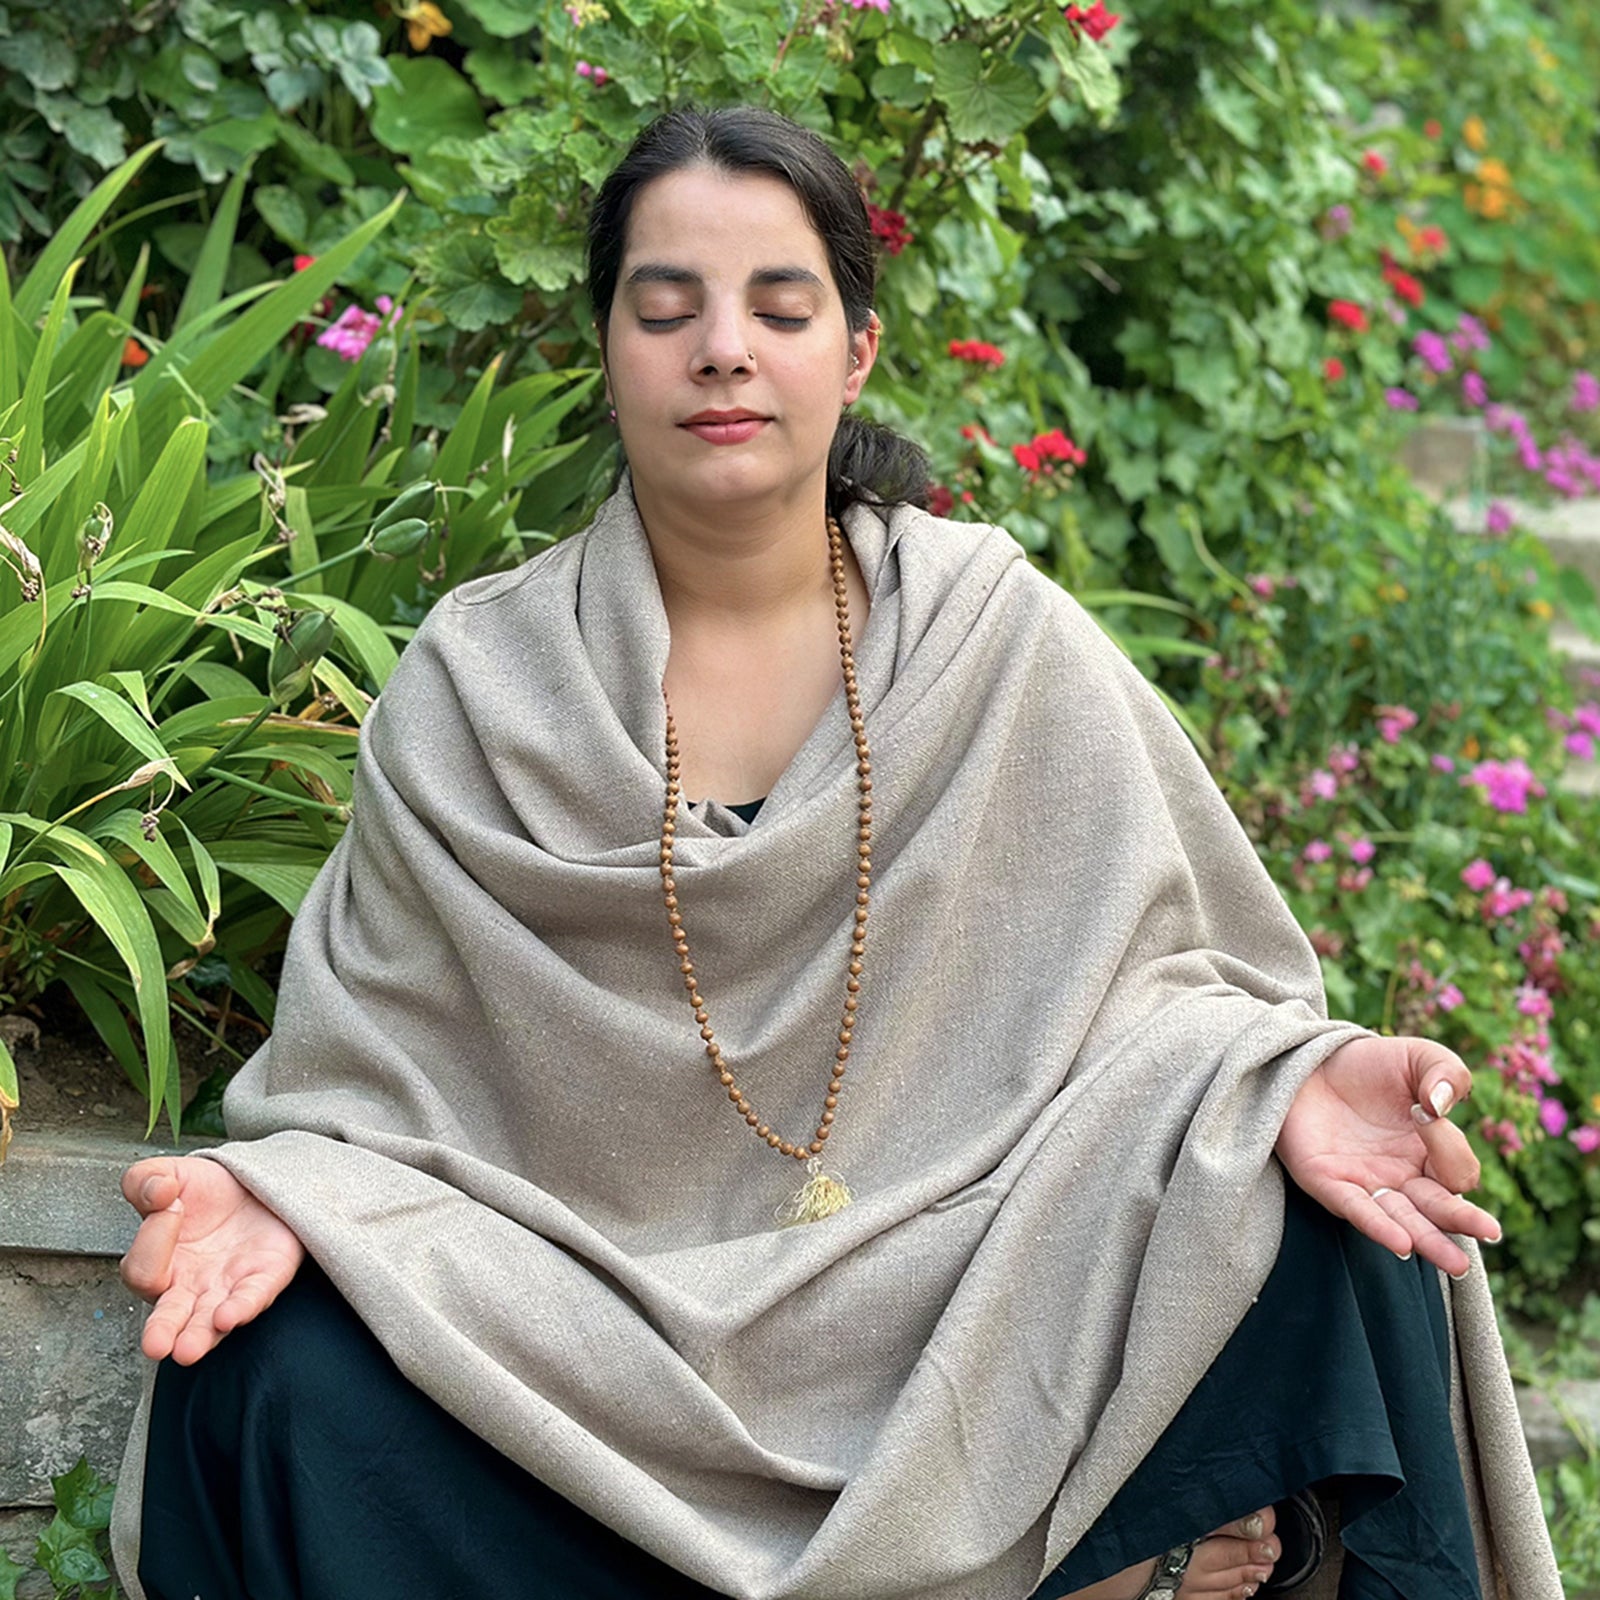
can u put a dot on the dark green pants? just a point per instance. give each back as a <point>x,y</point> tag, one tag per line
<point>296,1463</point>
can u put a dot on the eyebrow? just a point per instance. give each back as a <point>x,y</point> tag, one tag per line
<point>763,277</point>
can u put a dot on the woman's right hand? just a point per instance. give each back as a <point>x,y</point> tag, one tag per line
<point>208,1253</point>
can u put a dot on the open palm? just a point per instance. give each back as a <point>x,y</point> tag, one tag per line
<point>208,1253</point>
<point>1361,1139</point>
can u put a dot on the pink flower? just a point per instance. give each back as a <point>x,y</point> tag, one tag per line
<point>1441,763</point>
<point>1506,785</point>
<point>1585,392</point>
<point>1504,901</point>
<point>1400,400</point>
<point>1433,352</point>
<point>1580,745</point>
<point>1553,1115</point>
<point>1587,1139</point>
<point>1344,759</point>
<point>1587,717</point>
<point>1318,850</point>
<point>1262,585</point>
<point>876,5</point>
<point>1393,721</point>
<point>1503,1135</point>
<point>1322,785</point>
<point>1532,1001</point>
<point>349,337</point>
<point>1354,882</point>
<point>1336,223</point>
<point>1362,851</point>
<point>1449,997</point>
<point>1499,518</point>
<point>1477,875</point>
<point>1470,335</point>
<point>1094,19</point>
<point>1474,390</point>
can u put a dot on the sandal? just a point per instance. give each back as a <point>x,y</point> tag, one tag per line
<point>1302,1532</point>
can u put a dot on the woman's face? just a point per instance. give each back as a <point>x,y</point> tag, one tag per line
<point>728,356</point>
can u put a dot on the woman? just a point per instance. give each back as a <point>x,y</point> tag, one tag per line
<point>978,929</point>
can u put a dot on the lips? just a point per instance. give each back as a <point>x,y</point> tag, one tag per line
<point>725,427</point>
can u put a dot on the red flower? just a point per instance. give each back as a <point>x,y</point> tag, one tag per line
<point>1433,239</point>
<point>1432,128</point>
<point>1347,314</point>
<point>134,354</point>
<point>889,227</point>
<point>1094,19</point>
<point>1036,457</point>
<point>941,502</point>
<point>1333,369</point>
<point>1404,285</point>
<point>974,431</point>
<point>977,352</point>
<point>302,262</point>
<point>1374,163</point>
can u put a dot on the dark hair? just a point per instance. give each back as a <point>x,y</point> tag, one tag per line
<point>867,463</point>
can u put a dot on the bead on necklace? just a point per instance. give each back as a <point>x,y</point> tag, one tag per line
<point>822,1194</point>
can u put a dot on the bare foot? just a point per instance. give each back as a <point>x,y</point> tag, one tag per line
<point>1226,1565</point>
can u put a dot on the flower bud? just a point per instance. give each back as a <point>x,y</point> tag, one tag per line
<point>302,642</point>
<point>398,539</point>
<point>418,500</point>
<point>94,536</point>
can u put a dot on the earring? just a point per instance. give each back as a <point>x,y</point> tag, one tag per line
<point>855,361</point>
<point>613,415</point>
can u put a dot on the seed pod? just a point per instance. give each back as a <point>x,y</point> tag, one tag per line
<point>302,642</point>
<point>94,536</point>
<point>403,538</point>
<point>416,501</point>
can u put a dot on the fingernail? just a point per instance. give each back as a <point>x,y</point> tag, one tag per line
<point>1442,1098</point>
<point>1498,1236</point>
<point>1268,1552</point>
<point>176,1206</point>
<point>1405,1257</point>
<point>1252,1527</point>
<point>1422,1116</point>
<point>1458,1276</point>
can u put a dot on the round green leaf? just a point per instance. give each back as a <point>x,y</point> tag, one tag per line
<point>428,100</point>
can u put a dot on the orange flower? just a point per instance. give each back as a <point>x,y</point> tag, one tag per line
<point>425,22</point>
<point>1475,134</point>
<point>1494,171</point>
<point>134,354</point>
<point>1470,748</point>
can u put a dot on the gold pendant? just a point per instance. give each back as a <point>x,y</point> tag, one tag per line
<point>819,1196</point>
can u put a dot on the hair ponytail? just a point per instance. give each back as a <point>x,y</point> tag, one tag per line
<point>869,464</point>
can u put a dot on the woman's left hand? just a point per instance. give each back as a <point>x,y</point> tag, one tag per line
<point>1355,1141</point>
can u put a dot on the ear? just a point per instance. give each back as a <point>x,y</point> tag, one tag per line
<point>605,369</point>
<point>864,353</point>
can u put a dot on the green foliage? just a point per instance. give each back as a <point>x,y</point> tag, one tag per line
<point>72,1551</point>
<point>186,654</point>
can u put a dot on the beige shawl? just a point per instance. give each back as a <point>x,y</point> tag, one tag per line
<point>1086,1009</point>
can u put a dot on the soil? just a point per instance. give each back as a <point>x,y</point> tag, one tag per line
<point>67,1079</point>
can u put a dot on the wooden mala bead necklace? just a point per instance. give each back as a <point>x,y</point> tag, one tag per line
<point>822,1194</point>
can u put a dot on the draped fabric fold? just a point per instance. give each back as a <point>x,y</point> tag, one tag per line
<point>486,1109</point>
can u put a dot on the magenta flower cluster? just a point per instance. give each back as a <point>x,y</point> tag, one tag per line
<point>1506,785</point>
<point>355,329</point>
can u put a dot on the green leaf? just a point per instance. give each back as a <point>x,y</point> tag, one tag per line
<point>114,905</point>
<point>985,103</point>
<point>70,237</point>
<point>83,1497</point>
<point>31,465</point>
<point>46,60</point>
<point>68,1555</point>
<point>284,212</point>
<point>270,867</point>
<point>467,285</point>
<point>506,19</point>
<point>9,1570</point>
<point>429,100</point>
<point>527,253</point>
<point>98,1004</point>
<point>319,159</point>
<point>362,637</point>
<point>119,716</point>
<point>182,909</point>
<point>210,271</point>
